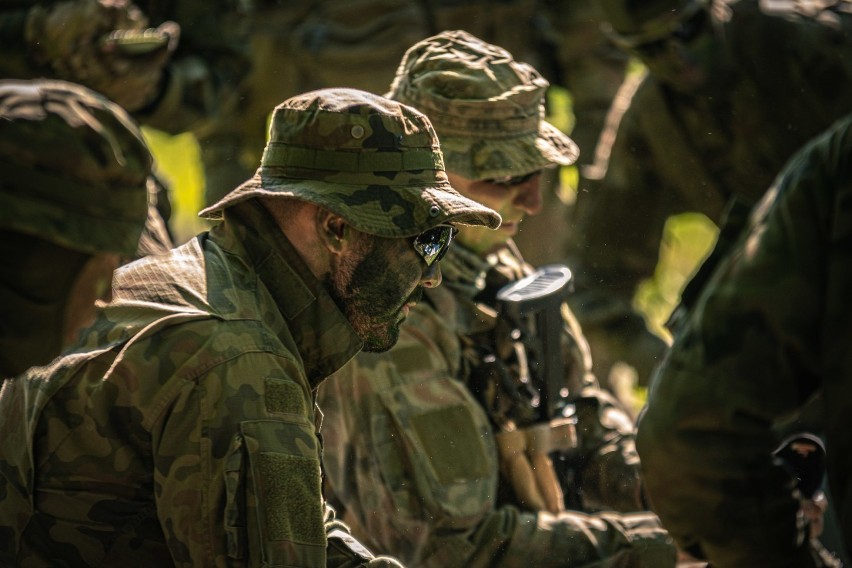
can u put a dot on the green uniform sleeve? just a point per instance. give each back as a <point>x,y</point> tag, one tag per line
<point>237,467</point>
<point>770,329</point>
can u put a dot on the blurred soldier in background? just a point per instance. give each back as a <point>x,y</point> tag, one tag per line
<point>416,439</point>
<point>237,59</point>
<point>767,338</point>
<point>303,45</point>
<point>103,44</point>
<point>166,83</point>
<point>734,88</point>
<point>73,177</point>
<point>182,429</point>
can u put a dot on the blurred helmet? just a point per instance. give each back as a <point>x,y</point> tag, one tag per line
<point>73,167</point>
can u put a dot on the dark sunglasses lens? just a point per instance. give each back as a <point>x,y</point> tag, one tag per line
<point>513,180</point>
<point>432,245</point>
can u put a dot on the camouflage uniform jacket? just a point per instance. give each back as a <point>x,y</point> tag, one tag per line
<point>181,431</point>
<point>791,77</point>
<point>411,456</point>
<point>771,330</point>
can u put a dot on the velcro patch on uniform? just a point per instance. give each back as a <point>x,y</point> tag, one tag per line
<point>291,497</point>
<point>442,432</point>
<point>283,396</point>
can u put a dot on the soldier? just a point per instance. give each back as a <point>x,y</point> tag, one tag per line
<point>103,44</point>
<point>734,88</point>
<point>767,338</point>
<point>181,429</point>
<point>72,202</point>
<point>411,454</point>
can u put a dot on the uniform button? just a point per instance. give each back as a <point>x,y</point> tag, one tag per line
<point>357,131</point>
<point>434,211</point>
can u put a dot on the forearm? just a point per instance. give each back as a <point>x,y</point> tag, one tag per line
<point>717,490</point>
<point>573,539</point>
<point>608,468</point>
<point>203,80</point>
<point>191,97</point>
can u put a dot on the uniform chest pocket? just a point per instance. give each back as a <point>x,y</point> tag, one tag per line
<point>435,447</point>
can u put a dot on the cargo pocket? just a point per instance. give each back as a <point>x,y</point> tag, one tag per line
<point>433,440</point>
<point>276,507</point>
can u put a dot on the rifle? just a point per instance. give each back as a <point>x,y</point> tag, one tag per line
<point>533,308</point>
<point>138,42</point>
<point>533,305</point>
<point>802,455</point>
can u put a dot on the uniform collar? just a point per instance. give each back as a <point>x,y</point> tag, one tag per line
<point>324,338</point>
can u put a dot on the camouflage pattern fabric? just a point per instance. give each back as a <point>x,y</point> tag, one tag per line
<point>373,161</point>
<point>275,50</point>
<point>181,430</point>
<point>73,171</point>
<point>491,124</point>
<point>411,456</point>
<point>355,44</point>
<point>787,78</point>
<point>73,167</point>
<point>769,333</point>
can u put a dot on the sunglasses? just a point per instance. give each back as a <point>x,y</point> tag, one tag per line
<point>509,181</point>
<point>433,243</point>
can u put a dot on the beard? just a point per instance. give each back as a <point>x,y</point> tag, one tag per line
<point>371,293</point>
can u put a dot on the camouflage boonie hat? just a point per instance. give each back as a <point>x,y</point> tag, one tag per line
<point>73,167</point>
<point>373,161</point>
<point>635,23</point>
<point>487,108</point>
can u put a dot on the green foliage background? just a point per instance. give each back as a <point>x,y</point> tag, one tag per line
<point>687,239</point>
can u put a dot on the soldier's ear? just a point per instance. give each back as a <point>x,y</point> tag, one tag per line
<point>334,232</point>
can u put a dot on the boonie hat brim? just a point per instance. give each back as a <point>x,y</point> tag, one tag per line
<point>485,158</point>
<point>405,212</point>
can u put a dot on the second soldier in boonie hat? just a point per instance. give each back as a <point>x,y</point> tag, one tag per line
<point>487,108</point>
<point>460,384</point>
